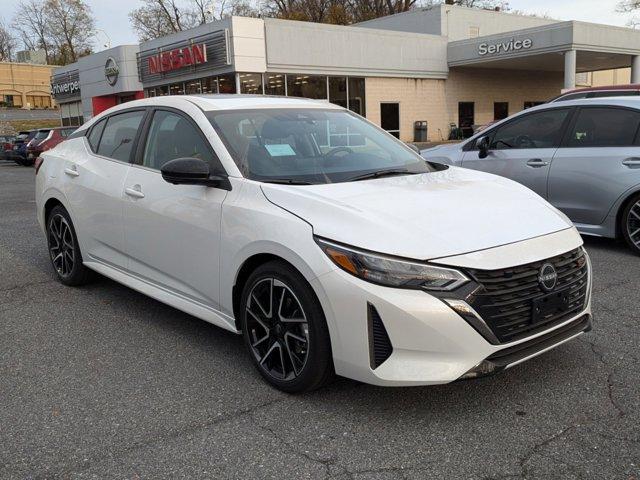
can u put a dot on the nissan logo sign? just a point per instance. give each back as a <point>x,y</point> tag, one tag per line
<point>111,71</point>
<point>548,277</point>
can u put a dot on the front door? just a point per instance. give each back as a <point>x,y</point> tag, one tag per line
<point>172,232</point>
<point>523,149</point>
<point>597,163</point>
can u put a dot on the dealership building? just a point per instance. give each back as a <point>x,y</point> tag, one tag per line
<point>444,65</point>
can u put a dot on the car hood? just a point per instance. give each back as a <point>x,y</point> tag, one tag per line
<point>438,214</point>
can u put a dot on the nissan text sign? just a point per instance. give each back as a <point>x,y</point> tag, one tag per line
<point>178,58</point>
<point>509,46</point>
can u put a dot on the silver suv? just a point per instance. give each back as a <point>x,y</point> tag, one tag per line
<point>583,156</point>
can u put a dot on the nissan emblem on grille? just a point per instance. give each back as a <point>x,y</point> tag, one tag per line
<point>548,277</point>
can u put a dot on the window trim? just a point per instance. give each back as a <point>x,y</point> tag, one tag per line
<point>574,120</point>
<point>471,145</point>
<point>88,131</point>
<point>138,158</point>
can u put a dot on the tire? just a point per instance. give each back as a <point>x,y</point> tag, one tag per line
<point>630,224</point>
<point>288,341</point>
<point>64,249</point>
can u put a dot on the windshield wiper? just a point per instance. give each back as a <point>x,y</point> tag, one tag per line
<point>286,181</point>
<point>381,173</point>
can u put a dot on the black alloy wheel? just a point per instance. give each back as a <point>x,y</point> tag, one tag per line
<point>285,330</point>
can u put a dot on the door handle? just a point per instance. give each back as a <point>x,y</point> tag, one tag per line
<point>134,191</point>
<point>71,171</point>
<point>633,162</point>
<point>537,163</point>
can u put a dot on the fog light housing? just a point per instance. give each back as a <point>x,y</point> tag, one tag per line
<point>482,369</point>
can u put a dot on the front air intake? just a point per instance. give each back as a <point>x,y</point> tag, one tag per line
<point>380,347</point>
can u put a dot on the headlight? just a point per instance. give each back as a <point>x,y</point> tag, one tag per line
<point>390,271</point>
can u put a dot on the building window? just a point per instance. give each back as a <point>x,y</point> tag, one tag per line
<point>12,101</point>
<point>356,96</point>
<point>162,90</point>
<point>227,83</point>
<point>71,114</point>
<point>390,118</point>
<point>176,89</point>
<point>466,118</point>
<point>307,86</point>
<point>338,91</point>
<point>150,92</point>
<point>39,101</point>
<point>530,104</point>
<point>274,84</point>
<point>209,85</point>
<point>192,87</point>
<point>500,110</point>
<point>251,83</point>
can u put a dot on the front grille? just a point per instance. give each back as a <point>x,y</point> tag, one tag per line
<point>379,344</point>
<point>505,297</point>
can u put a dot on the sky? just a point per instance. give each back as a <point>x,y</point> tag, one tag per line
<point>113,22</point>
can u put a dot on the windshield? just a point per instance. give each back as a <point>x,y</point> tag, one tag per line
<point>311,146</point>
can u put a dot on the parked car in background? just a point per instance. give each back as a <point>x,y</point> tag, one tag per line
<point>583,156</point>
<point>329,253</point>
<point>629,90</point>
<point>19,153</point>
<point>46,139</point>
<point>32,144</point>
<point>6,145</point>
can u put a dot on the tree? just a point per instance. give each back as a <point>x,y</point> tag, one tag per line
<point>33,28</point>
<point>71,28</point>
<point>630,6</point>
<point>156,18</point>
<point>7,43</point>
<point>62,28</point>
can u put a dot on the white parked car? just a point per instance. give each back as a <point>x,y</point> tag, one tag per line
<point>332,246</point>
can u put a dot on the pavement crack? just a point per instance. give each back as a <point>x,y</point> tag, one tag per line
<point>620,412</point>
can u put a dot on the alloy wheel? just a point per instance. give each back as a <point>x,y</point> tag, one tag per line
<point>633,224</point>
<point>278,329</point>
<point>61,245</point>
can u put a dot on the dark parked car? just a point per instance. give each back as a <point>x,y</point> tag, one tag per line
<point>19,152</point>
<point>6,145</point>
<point>52,137</point>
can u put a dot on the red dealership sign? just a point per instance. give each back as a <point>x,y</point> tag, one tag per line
<point>178,58</point>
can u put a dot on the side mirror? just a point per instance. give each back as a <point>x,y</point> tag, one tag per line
<point>483,147</point>
<point>192,171</point>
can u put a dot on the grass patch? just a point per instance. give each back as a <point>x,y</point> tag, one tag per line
<point>11,127</point>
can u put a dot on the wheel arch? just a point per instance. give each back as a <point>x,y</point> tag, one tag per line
<point>623,204</point>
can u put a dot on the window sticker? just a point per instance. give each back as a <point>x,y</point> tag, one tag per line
<point>280,150</point>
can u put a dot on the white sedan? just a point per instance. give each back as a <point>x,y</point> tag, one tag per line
<point>330,245</point>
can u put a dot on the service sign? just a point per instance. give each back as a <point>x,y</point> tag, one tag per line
<point>508,46</point>
<point>178,58</point>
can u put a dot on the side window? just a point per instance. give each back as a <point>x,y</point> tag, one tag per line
<point>613,93</point>
<point>119,134</point>
<point>604,127</point>
<point>537,130</point>
<point>95,133</point>
<point>172,136</point>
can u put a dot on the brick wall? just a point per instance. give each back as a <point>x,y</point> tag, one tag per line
<point>437,100</point>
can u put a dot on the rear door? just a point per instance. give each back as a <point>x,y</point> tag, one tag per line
<point>598,161</point>
<point>522,149</point>
<point>94,186</point>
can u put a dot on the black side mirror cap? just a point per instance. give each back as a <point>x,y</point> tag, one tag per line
<point>483,147</point>
<point>193,171</point>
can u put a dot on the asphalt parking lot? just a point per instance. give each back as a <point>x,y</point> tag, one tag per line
<point>103,382</point>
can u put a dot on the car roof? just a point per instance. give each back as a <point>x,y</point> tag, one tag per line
<point>605,88</point>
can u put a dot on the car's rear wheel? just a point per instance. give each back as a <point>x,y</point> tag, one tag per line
<point>64,249</point>
<point>630,224</point>
<point>285,330</point>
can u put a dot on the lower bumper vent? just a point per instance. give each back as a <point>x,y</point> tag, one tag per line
<point>380,347</point>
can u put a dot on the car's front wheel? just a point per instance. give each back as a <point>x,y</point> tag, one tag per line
<point>630,224</point>
<point>64,250</point>
<point>285,330</point>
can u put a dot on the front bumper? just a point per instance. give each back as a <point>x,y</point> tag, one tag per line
<point>431,343</point>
